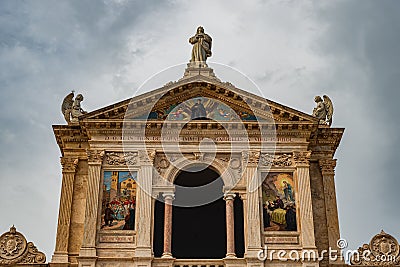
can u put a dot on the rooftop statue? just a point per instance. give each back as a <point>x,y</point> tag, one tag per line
<point>71,109</point>
<point>324,110</point>
<point>201,46</point>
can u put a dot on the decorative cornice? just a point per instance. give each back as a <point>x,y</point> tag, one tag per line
<point>302,157</point>
<point>14,249</point>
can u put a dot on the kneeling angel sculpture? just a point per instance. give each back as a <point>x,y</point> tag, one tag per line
<point>71,109</point>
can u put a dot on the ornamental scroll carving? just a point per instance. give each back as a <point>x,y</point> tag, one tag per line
<point>280,160</point>
<point>121,158</point>
<point>383,250</point>
<point>14,249</point>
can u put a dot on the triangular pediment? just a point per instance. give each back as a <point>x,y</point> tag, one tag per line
<point>175,101</point>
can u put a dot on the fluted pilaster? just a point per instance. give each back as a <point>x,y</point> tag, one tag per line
<point>327,167</point>
<point>304,192</point>
<point>69,166</point>
<point>87,255</point>
<point>252,203</point>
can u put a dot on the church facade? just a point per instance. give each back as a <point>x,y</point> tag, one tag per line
<point>197,173</point>
<point>127,169</point>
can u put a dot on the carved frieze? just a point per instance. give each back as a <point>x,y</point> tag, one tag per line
<point>121,158</point>
<point>383,250</point>
<point>14,249</point>
<point>277,160</point>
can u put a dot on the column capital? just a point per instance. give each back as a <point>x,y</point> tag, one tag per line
<point>327,166</point>
<point>168,196</point>
<point>95,156</point>
<point>146,157</point>
<point>250,157</point>
<point>68,164</point>
<point>229,196</point>
<point>302,158</point>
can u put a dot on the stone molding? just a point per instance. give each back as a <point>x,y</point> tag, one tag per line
<point>14,249</point>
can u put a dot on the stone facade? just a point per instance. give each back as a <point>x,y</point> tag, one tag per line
<point>117,138</point>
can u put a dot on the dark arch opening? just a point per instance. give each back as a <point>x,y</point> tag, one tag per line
<point>199,232</point>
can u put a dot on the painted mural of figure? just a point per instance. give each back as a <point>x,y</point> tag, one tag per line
<point>266,216</point>
<point>108,216</point>
<point>179,115</point>
<point>276,204</point>
<point>201,45</point>
<point>130,220</point>
<point>291,224</point>
<point>120,213</point>
<point>198,110</point>
<point>288,190</point>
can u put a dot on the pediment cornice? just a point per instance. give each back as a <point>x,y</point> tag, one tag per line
<point>177,92</point>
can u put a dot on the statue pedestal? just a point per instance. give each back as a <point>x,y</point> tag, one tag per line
<point>198,68</point>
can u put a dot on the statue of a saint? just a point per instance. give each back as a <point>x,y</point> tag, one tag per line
<point>201,46</point>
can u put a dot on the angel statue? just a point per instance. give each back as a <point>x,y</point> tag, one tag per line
<point>324,110</point>
<point>71,109</point>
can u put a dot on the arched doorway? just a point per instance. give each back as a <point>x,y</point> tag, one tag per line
<point>199,232</point>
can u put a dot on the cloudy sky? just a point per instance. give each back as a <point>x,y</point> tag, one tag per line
<point>293,50</point>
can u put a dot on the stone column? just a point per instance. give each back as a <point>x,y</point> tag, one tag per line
<point>168,198</point>
<point>69,166</point>
<point>144,208</point>
<point>230,225</point>
<point>304,198</point>
<point>253,223</point>
<point>328,177</point>
<point>87,254</point>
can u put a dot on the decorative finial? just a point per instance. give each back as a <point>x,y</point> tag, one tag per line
<point>13,230</point>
